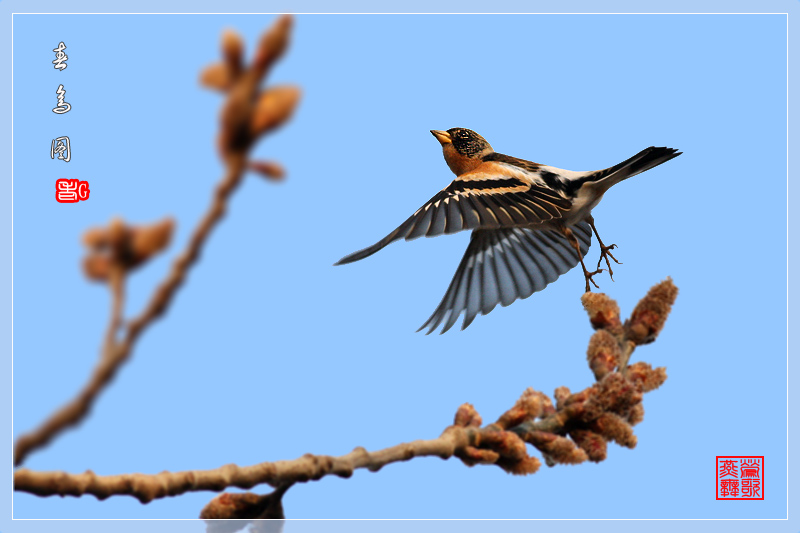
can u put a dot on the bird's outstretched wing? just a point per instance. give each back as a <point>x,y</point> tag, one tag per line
<point>503,265</point>
<point>489,197</point>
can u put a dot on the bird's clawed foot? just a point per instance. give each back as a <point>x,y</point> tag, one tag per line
<point>605,253</point>
<point>588,275</point>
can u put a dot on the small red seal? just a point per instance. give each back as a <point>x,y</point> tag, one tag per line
<point>740,477</point>
<point>71,191</point>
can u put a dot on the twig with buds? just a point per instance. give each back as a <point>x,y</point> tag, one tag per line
<point>247,115</point>
<point>574,430</point>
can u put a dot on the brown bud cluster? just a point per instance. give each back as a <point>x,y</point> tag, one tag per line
<point>603,312</point>
<point>636,414</point>
<point>269,169</point>
<point>562,396</point>
<point>603,354</point>
<point>651,313</point>
<point>273,44</point>
<point>217,76</point>
<point>232,52</point>
<point>580,424</point>
<point>531,405</point>
<point>614,393</point>
<point>275,107</point>
<point>502,448</point>
<point>555,448</point>
<point>247,505</point>
<point>121,248</point>
<point>493,444</point>
<point>612,427</point>
<point>591,443</point>
<point>467,416</point>
<point>250,112</point>
<point>645,377</point>
<point>472,456</point>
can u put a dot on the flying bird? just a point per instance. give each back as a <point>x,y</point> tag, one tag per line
<point>530,223</point>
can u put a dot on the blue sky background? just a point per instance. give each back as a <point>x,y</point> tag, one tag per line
<point>269,352</point>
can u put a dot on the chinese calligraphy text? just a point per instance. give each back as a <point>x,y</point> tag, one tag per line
<point>60,62</point>
<point>60,146</point>
<point>62,106</point>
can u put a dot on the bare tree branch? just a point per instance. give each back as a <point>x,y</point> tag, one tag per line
<point>573,430</point>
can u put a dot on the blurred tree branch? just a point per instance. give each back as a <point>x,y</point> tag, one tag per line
<point>247,115</point>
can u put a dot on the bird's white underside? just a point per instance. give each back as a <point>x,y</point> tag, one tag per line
<point>587,198</point>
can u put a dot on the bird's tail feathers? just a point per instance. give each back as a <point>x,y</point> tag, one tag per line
<point>644,160</point>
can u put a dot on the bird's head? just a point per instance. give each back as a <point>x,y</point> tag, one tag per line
<point>462,148</point>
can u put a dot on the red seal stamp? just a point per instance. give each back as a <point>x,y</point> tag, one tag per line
<point>740,477</point>
<point>71,191</point>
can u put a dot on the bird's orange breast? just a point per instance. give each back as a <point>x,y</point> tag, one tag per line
<point>458,163</point>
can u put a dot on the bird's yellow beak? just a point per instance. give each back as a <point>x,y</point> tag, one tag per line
<point>442,136</point>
